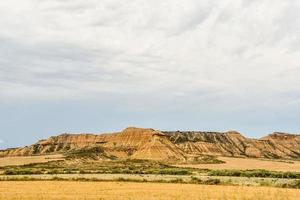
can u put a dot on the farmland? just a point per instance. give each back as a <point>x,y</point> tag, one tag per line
<point>123,190</point>
<point>151,171</point>
<point>250,164</point>
<point>23,160</point>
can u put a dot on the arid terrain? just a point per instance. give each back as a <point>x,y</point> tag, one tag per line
<point>172,146</point>
<point>149,99</point>
<point>162,164</point>
<point>23,160</point>
<point>228,163</point>
<point>144,191</point>
<point>250,164</point>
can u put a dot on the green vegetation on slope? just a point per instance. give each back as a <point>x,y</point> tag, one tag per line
<point>89,166</point>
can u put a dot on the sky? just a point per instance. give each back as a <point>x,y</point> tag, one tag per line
<point>94,66</point>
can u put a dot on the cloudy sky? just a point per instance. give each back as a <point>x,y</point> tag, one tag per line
<point>102,65</point>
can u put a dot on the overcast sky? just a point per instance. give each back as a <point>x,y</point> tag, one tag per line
<point>102,65</point>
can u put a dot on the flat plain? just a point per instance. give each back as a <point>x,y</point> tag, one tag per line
<point>37,190</point>
<point>85,178</point>
<point>23,160</point>
<point>249,164</point>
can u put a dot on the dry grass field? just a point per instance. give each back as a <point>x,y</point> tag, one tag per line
<point>249,163</point>
<point>142,191</point>
<point>9,161</point>
<point>224,180</point>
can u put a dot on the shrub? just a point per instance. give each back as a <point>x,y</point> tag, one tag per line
<point>177,180</point>
<point>255,173</point>
<point>296,184</point>
<point>214,181</point>
<point>10,172</point>
<point>174,172</point>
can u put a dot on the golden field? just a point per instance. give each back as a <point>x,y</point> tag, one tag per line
<point>37,190</point>
<point>23,160</point>
<point>250,163</point>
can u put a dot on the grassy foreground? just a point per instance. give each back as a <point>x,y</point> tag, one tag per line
<point>144,191</point>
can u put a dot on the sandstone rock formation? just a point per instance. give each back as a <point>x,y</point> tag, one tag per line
<point>139,143</point>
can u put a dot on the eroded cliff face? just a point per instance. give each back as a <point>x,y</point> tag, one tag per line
<point>289,143</point>
<point>233,143</point>
<point>139,143</point>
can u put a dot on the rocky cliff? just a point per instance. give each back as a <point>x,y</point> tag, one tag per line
<point>139,143</point>
<point>233,143</point>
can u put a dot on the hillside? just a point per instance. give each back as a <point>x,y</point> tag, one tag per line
<point>139,143</point>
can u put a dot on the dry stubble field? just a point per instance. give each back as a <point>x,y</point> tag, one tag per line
<point>250,163</point>
<point>37,190</point>
<point>23,160</point>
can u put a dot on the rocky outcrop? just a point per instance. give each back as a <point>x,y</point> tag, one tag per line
<point>287,143</point>
<point>233,143</point>
<point>139,143</point>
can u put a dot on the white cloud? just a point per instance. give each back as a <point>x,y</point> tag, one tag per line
<point>231,50</point>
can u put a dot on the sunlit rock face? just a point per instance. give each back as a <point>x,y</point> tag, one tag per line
<point>142,143</point>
